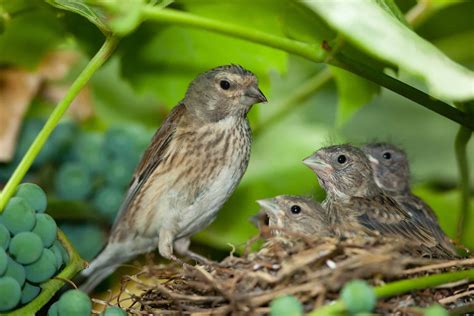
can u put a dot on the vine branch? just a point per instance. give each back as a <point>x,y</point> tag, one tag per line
<point>312,52</point>
<point>400,287</point>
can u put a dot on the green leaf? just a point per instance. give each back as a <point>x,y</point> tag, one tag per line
<point>126,15</point>
<point>31,32</point>
<point>382,36</point>
<point>95,14</point>
<point>390,7</point>
<point>353,93</point>
<point>170,57</point>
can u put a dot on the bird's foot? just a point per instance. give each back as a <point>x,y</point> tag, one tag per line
<point>199,259</point>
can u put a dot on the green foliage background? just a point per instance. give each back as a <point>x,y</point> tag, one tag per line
<point>152,67</point>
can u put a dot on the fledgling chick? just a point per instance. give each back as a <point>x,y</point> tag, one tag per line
<point>392,174</point>
<point>357,204</point>
<point>295,214</point>
<point>193,164</point>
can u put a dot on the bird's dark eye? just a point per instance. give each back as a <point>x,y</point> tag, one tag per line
<point>387,155</point>
<point>225,84</point>
<point>295,209</point>
<point>341,159</point>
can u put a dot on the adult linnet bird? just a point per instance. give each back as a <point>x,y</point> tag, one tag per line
<point>297,215</point>
<point>358,205</point>
<point>391,171</point>
<point>193,164</point>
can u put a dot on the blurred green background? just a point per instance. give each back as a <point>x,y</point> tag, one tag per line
<point>149,74</point>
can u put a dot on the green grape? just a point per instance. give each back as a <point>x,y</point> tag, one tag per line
<point>74,302</point>
<point>46,229</point>
<point>10,293</point>
<point>43,268</point>
<point>435,310</point>
<point>57,253</point>
<point>113,311</point>
<point>358,296</point>
<point>53,310</point>
<point>29,292</point>
<point>18,216</point>
<point>33,195</point>
<point>88,149</point>
<point>16,271</point>
<point>73,182</point>
<point>26,247</point>
<point>119,142</point>
<point>4,237</point>
<point>64,254</point>
<point>108,200</point>
<point>118,173</point>
<point>286,305</point>
<point>3,261</point>
<point>88,239</point>
<point>62,137</point>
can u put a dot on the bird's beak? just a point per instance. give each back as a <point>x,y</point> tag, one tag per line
<point>373,160</point>
<point>318,165</point>
<point>269,206</point>
<point>255,93</point>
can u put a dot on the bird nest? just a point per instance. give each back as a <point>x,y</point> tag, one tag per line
<point>313,270</point>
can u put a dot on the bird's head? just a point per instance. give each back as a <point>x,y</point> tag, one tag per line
<point>343,171</point>
<point>294,214</point>
<point>390,166</point>
<point>223,91</point>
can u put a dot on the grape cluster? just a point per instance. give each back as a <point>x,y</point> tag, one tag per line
<point>100,167</point>
<point>30,253</point>
<point>76,302</point>
<point>76,164</point>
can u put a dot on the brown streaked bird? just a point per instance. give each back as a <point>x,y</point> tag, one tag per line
<point>193,164</point>
<point>391,171</point>
<point>358,205</point>
<point>295,214</point>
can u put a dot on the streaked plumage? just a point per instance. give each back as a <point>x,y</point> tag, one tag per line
<point>193,164</point>
<point>359,206</point>
<point>392,174</point>
<point>296,214</point>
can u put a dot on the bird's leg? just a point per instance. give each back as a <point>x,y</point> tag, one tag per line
<point>165,246</point>
<point>182,247</point>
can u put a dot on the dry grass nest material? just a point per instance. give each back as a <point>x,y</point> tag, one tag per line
<point>313,270</point>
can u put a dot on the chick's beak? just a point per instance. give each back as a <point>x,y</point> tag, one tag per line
<point>269,206</point>
<point>373,160</point>
<point>255,93</point>
<point>317,164</point>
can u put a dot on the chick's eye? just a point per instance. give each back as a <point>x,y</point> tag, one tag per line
<point>341,159</point>
<point>224,84</point>
<point>387,155</point>
<point>295,209</point>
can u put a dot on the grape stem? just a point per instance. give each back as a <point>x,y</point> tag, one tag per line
<point>399,287</point>
<point>49,288</point>
<point>102,55</point>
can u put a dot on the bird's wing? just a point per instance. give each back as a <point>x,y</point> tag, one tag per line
<point>151,158</point>
<point>385,215</point>
<point>425,215</point>
<point>418,207</point>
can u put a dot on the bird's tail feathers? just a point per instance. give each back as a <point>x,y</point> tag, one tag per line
<point>102,266</point>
